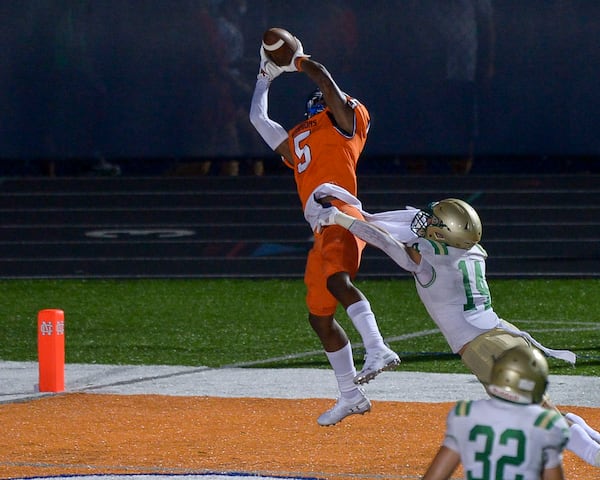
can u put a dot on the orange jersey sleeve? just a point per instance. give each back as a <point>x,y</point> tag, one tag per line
<point>324,154</point>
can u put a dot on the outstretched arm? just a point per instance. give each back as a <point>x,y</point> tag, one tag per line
<point>274,135</point>
<point>408,258</point>
<point>334,97</point>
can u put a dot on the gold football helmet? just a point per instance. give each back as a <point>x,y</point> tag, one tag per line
<point>519,375</point>
<point>451,221</point>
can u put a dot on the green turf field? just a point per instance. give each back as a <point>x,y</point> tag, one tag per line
<point>263,322</point>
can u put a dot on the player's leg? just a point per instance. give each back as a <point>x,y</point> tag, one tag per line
<point>322,305</point>
<point>341,260</point>
<point>479,354</point>
<point>378,356</point>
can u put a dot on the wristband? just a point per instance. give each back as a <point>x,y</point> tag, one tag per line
<point>344,220</point>
<point>298,61</point>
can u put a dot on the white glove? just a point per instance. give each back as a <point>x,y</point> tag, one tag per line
<point>268,69</point>
<point>326,217</point>
<point>291,67</point>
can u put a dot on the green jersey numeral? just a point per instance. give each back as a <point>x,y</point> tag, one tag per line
<point>478,284</point>
<point>507,437</point>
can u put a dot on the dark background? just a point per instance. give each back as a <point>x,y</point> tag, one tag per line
<point>149,81</point>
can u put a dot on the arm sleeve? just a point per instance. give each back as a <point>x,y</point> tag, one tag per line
<point>383,240</point>
<point>271,132</point>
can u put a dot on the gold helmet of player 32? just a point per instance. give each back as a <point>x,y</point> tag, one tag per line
<point>519,375</point>
<point>451,221</point>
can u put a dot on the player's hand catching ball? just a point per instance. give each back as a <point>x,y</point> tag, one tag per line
<point>298,53</point>
<point>267,68</point>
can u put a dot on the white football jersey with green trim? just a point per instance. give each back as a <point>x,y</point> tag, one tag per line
<point>499,439</point>
<point>452,286</point>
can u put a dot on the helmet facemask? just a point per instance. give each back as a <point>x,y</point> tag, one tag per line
<point>421,221</point>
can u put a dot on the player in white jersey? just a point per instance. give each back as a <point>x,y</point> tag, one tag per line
<point>509,435</point>
<point>448,265</point>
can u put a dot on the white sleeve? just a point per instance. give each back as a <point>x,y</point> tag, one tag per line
<point>383,240</point>
<point>271,132</point>
<point>451,436</point>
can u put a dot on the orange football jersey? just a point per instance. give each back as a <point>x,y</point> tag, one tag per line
<point>324,154</point>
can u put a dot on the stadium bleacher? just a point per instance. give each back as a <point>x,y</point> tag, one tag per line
<point>534,226</point>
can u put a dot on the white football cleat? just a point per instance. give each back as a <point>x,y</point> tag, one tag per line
<point>375,363</point>
<point>593,434</point>
<point>344,408</point>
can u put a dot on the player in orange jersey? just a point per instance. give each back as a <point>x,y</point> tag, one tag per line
<point>323,151</point>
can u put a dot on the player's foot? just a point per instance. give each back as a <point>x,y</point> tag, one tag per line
<point>344,408</point>
<point>582,445</point>
<point>375,363</point>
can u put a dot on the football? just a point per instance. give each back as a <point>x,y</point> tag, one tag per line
<point>280,45</point>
